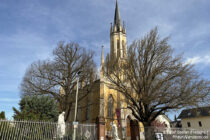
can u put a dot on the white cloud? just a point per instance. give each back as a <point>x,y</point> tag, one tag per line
<point>198,60</point>
<point>193,60</point>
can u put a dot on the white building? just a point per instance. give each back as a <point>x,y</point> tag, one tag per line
<point>196,118</point>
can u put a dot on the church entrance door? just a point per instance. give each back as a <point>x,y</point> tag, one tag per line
<point>134,126</point>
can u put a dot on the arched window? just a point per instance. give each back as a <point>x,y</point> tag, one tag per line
<point>110,106</point>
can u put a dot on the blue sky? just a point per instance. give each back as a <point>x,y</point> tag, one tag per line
<point>31,29</point>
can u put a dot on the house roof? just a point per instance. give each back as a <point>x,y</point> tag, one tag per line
<point>195,112</point>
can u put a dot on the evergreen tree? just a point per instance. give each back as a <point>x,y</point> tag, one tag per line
<point>37,108</point>
<point>2,115</point>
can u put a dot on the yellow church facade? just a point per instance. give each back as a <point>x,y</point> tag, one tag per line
<point>103,101</point>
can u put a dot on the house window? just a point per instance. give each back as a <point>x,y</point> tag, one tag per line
<point>110,106</point>
<point>200,124</point>
<point>188,124</point>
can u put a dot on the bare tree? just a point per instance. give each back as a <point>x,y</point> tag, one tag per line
<point>153,80</point>
<point>56,77</point>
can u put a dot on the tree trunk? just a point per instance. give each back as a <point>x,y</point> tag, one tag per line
<point>148,131</point>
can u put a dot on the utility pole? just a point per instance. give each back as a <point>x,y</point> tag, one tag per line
<point>75,124</point>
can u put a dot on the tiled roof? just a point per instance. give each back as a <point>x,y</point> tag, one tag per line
<point>195,112</point>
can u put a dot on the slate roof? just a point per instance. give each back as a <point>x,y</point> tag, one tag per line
<point>195,112</point>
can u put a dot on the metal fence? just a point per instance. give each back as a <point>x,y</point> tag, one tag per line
<point>164,133</point>
<point>30,130</point>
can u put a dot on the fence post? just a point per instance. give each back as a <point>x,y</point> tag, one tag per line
<point>100,121</point>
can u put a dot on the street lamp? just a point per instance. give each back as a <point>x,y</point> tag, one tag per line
<point>75,124</point>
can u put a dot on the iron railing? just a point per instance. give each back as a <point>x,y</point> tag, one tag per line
<point>30,130</point>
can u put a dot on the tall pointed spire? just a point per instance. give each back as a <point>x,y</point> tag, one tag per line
<point>118,47</point>
<point>102,63</point>
<point>117,21</point>
<point>102,55</point>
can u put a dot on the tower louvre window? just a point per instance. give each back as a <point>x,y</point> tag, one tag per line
<point>112,49</point>
<point>123,46</point>
<point>118,48</point>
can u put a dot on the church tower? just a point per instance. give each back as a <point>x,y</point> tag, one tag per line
<point>118,47</point>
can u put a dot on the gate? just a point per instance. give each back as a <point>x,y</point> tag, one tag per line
<point>87,131</point>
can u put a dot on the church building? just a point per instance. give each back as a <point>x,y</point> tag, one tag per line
<point>104,102</point>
